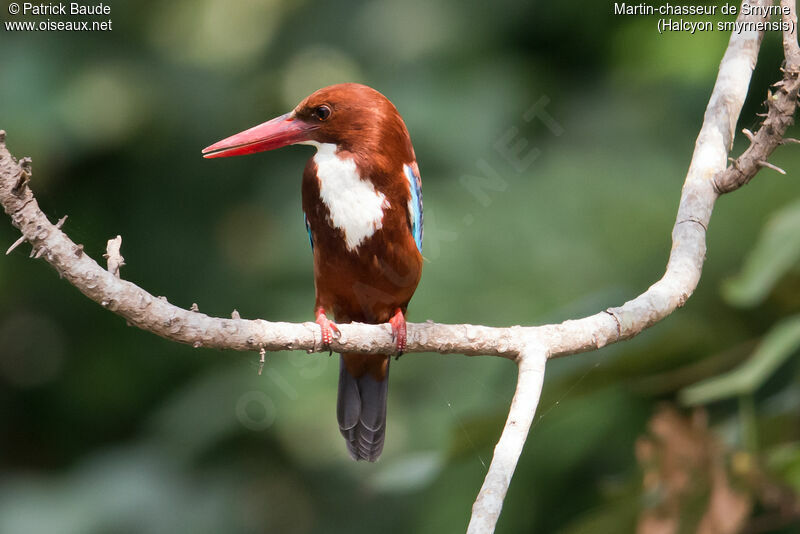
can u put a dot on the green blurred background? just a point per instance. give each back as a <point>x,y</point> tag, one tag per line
<point>105,428</point>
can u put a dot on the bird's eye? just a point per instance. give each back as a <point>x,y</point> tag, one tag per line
<point>322,112</point>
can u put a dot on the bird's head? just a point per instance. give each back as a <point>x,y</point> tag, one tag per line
<point>354,117</point>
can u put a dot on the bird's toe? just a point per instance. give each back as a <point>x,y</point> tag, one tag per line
<point>398,322</point>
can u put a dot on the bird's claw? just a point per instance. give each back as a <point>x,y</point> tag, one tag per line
<point>398,322</point>
<point>328,328</point>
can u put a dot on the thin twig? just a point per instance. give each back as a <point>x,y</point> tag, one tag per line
<point>769,165</point>
<point>14,245</point>
<point>781,106</point>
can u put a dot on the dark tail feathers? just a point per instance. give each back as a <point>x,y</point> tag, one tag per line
<point>361,410</point>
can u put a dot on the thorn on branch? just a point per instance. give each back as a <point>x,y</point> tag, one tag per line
<point>38,253</point>
<point>235,315</point>
<point>769,165</point>
<point>790,140</point>
<point>114,258</point>
<point>194,307</point>
<point>262,358</point>
<point>17,243</point>
<point>61,222</point>
<point>2,136</point>
<point>748,134</point>
<point>197,344</point>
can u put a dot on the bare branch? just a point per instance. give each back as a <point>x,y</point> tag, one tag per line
<point>528,346</point>
<point>158,316</point>
<point>781,106</point>
<point>683,271</point>
<point>663,297</point>
<point>489,503</point>
<point>791,51</point>
<point>694,212</point>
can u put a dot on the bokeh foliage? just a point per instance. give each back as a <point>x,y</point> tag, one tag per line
<point>104,428</point>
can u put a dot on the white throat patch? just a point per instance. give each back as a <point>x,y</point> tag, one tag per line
<point>355,206</point>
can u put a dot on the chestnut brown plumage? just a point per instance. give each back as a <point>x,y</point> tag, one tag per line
<point>362,199</point>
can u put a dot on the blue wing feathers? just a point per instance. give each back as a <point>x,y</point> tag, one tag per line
<point>308,229</point>
<point>415,205</point>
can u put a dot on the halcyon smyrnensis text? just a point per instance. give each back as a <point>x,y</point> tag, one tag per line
<point>362,201</point>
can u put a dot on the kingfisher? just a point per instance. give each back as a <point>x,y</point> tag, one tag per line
<point>362,205</point>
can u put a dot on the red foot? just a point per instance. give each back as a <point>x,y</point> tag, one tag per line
<point>327,326</point>
<point>398,323</point>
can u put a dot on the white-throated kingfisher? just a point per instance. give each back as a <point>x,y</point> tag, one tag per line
<point>362,201</point>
